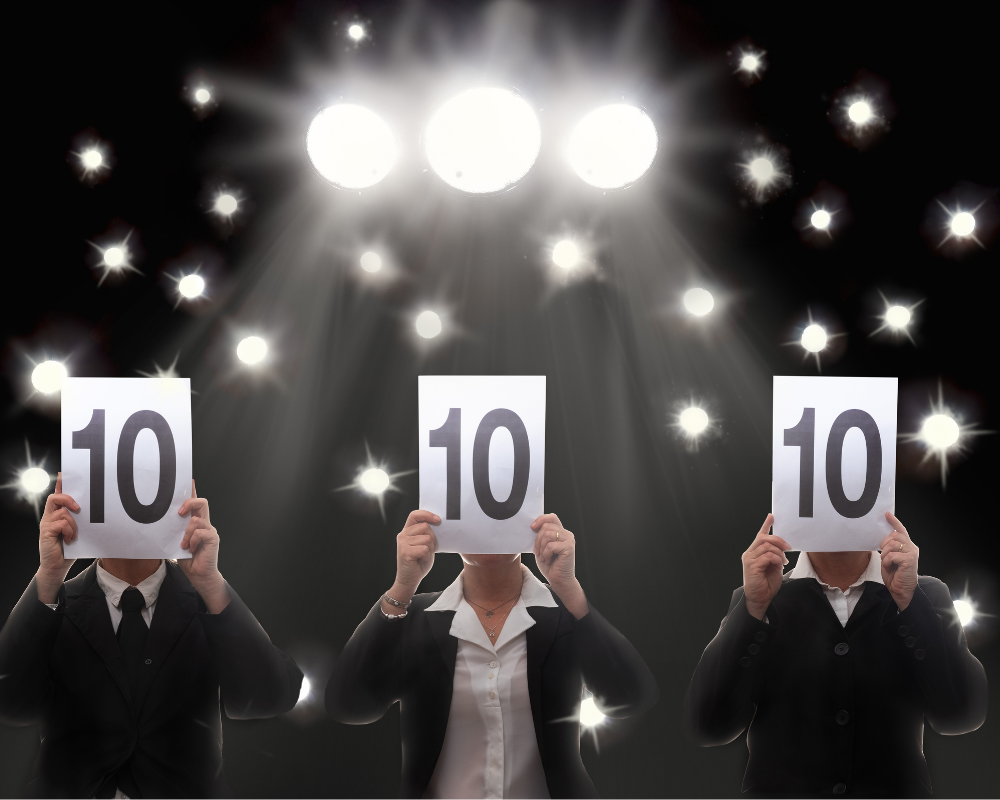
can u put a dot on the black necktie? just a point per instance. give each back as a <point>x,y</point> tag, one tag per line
<point>132,634</point>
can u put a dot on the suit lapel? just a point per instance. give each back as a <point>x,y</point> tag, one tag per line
<point>176,606</point>
<point>87,608</point>
<point>539,638</point>
<point>440,625</point>
<point>874,594</point>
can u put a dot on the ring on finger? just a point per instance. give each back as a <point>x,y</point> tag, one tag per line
<point>557,536</point>
<point>900,547</point>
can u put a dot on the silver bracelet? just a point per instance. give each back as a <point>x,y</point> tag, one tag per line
<point>394,602</point>
<point>391,616</point>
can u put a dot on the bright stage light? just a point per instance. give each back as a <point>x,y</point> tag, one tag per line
<point>483,140</point>
<point>356,32</point>
<point>191,286</point>
<point>226,204</point>
<point>374,480</point>
<point>202,95</point>
<point>963,223</point>
<point>114,257</point>
<point>966,612</point>
<point>820,219</point>
<point>940,431</point>
<point>91,159</point>
<point>693,420</point>
<point>35,480</point>
<point>897,316</point>
<point>590,715</point>
<point>613,146</point>
<point>48,377</point>
<point>371,262</point>
<point>814,338</point>
<point>428,324</point>
<point>698,301</point>
<point>350,146</point>
<point>304,689</point>
<point>566,254</point>
<point>749,63</point>
<point>860,112</point>
<point>761,170</point>
<point>251,350</point>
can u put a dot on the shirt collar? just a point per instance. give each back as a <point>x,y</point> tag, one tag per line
<point>533,593</point>
<point>804,569</point>
<point>113,587</point>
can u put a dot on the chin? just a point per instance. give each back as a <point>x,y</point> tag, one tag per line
<point>489,559</point>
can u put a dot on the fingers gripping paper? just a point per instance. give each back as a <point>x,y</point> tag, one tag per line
<point>834,461</point>
<point>482,460</point>
<point>126,459</point>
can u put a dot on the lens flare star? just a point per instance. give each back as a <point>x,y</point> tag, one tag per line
<point>693,421</point>
<point>48,377</point>
<point>114,259</point>
<point>860,112</point>
<point>374,480</point>
<point>960,224</point>
<point>91,159</point>
<point>897,319</point>
<point>356,32</point>
<point>814,340</point>
<point>750,63</point>
<point>566,254</point>
<point>225,205</point>
<point>820,219</point>
<point>765,172</point>
<point>698,302</point>
<point>351,146</point>
<point>202,95</point>
<point>30,480</point>
<point>428,324</point>
<point>251,350</point>
<point>943,435</point>
<point>191,286</point>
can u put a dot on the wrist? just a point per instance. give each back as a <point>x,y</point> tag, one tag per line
<point>48,583</point>
<point>213,592</point>
<point>573,597</point>
<point>401,591</point>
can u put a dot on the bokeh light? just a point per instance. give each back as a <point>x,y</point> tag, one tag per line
<point>940,431</point>
<point>371,262</point>
<point>897,316</point>
<point>191,286</point>
<point>820,219</point>
<point>114,257</point>
<point>749,63</point>
<point>35,480</point>
<point>48,377</point>
<point>356,32</point>
<point>202,95</point>
<point>374,480</point>
<point>566,254</point>
<point>483,140</point>
<point>693,420</point>
<point>761,170</point>
<point>226,205</point>
<point>860,112</point>
<point>613,146</point>
<point>351,146</point>
<point>251,350</point>
<point>428,324</point>
<point>91,159</point>
<point>698,301</point>
<point>963,224</point>
<point>814,338</point>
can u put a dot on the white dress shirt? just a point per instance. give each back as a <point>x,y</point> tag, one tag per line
<point>489,747</point>
<point>114,587</point>
<point>843,602</point>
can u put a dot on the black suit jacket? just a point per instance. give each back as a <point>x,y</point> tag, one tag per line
<point>64,669</point>
<point>833,709</point>
<point>413,661</point>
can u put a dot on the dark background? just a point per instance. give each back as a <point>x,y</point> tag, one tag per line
<point>660,525</point>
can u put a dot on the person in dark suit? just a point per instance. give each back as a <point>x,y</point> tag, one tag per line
<point>125,665</point>
<point>489,673</point>
<point>833,668</point>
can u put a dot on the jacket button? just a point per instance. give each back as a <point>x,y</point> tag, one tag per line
<point>760,636</point>
<point>919,654</point>
<point>753,649</point>
<point>149,661</point>
<point>910,641</point>
<point>903,630</point>
<point>745,661</point>
<point>840,788</point>
<point>843,717</point>
<point>840,650</point>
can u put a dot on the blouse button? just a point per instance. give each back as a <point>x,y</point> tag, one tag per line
<point>493,695</point>
<point>494,664</point>
<point>491,676</point>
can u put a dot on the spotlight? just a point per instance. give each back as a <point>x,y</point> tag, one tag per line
<point>749,63</point>
<point>371,262</point>
<point>483,140</point>
<point>565,254</point>
<point>897,317</point>
<point>91,159</point>
<point>820,219</point>
<point>251,350</point>
<point>860,112</point>
<point>191,286</point>
<point>966,612</point>
<point>613,146</point>
<point>48,377</point>
<point>350,146</point>
<point>428,324</point>
<point>226,204</point>
<point>114,257</point>
<point>305,689</point>
<point>693,420</point>
<point>202,96</point>
<point>814,338</point>
<point>590,715</point>
<point>698,301</point>
<point>963,224</point>
<point>761,170</point>
<point>940,431</point>
<point>356,32</point>
<point>35,480</point>
<point>374,480</point>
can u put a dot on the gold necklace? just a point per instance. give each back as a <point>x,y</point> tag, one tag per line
<point>492,631</point>
<point>489,611</point>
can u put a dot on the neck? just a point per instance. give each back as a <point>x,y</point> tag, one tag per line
<point>493,584</point>
<point>840,569</point>
<point>131,570</point>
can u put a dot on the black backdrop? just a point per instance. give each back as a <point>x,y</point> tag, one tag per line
<point>660,526</point>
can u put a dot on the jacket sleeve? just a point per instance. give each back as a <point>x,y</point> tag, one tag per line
<point>613,670</point>
<point>26,643</point>
<point>256,679</point>
<point>719,702</point>
<point>366,677</point>
<point>932,643</point>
